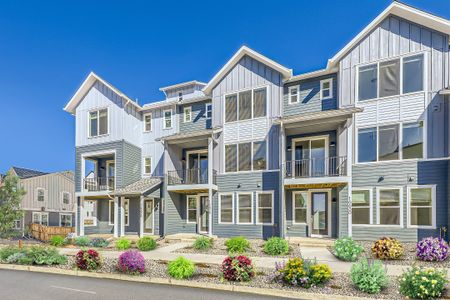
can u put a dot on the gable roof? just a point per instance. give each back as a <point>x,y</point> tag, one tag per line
<point>24,173</point>
<point>181,85</point>
<point>86,86</point>
<point>244,50</point>
<point>401,10</point>
<point>139,187</point>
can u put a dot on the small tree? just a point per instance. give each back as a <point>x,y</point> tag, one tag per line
<point>11,195</point>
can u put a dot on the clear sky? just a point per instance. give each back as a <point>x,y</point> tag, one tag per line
<point>48,47</point>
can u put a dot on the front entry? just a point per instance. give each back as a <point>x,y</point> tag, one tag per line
<point>203,215</point>
<point>198,212</point>
<point>148,216</point>
<point>319,214</point>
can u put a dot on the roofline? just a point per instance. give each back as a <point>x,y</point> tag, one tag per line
<point>244,50</point>
<point>312,74</point>
<point>182,84</point>
<point>158,104</point>
<point>333,113</point>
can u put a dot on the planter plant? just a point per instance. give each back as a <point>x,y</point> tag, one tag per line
<point>423,283</point>
<point>369,276</point>
<point>181,268</point>
<point>387,248</point>
<point>432,249</point>
<point>347,249</point>
<point>131,262</point>
<point>302,273</point>
<point>88,260</point>
<point>239,268</point>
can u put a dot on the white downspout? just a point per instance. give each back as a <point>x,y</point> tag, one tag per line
<point>210,183</point>
<point>349,173</point>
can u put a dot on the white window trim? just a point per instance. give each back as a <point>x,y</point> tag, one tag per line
<point>252,208</point>
<point>251,156</point>
<point>126,200</point>
<point>62,197</point>
<point>171,118</point>
<point>267,87</point>
<point>330,80</point>
<point>98,123</point>
<point>433,207</point>
<point>110,222</point>
<point>310,139</point>
<point>37,194</point>
<point>151,122</point>
<point>400,188</point>
<point>297,87</point>
<point>40,213</point>
<point>19,222</point>
<point>206,111</point>
<point>151,165</point>
<point>272,205</point>
<point>71,219</point>
<point>370,203</point>
<point>220,206</point>
<point>196,208</point>
<point>185,115</point>
<point>307,221</point>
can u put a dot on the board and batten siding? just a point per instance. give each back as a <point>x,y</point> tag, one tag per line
<point>176,214</point>
<point>198,117</point>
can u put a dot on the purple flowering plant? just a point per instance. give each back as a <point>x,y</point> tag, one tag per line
<point>432,249</point>
<point>131,262</point>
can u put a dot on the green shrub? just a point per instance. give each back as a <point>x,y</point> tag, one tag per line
<point>387,248</point>
<point>57,241</point>
<point>237,245</point>
<point>347,249</point>
<point>123,244</point>
<point>181,268</point>
<point>82,241</point>
<point>276,246</point>
<point>146,243</point>
<point>423,283</point>
<point>99,242</point>
<point>8,251</point>
<point>45,256</point>
<point>203,243</point>
<point>369,277</point>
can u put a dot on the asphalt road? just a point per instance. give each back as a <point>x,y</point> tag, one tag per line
<point>30,285</point>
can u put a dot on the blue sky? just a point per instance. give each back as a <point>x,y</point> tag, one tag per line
<point>47,48</point>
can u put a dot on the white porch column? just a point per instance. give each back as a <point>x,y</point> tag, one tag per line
<point>281,193</point>
<point>116,217</point>
<point>81,233</point>
<point>349,172</point>
<point>122,216</point>
<point>141,216</point>
<point>210,183</point>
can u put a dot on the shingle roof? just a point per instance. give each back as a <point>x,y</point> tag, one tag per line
<point>23,173</point>
<point>139,187</point>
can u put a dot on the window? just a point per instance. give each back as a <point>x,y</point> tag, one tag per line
<point>245,209</point>
<point>187,112</point>
<point>259,155</point>
<point>40,195</point>
<point>367,82</point>
<point>208,111</point>
<point>422,206</point>
<point>259,103</point>
<point>412,145</point>
<point>180,96</point>
<point>147,122</point>
<point>299,207</point>
<point>326,89</point>
<point>17,225</point>
<point>389,207</point>
<point>98,122</point>
<point>226,209</point>
<point>111,212</point>
<point>413,73</point>
<point>361,207</point>
<point>40,218</point>
<point>245,157</point>
<point>389,78</point>
<point>147,165</point>
<point>367,144</point>
<point>167,119</point>
<point>126,209</point>
<point>265,208</point>
<point>191,209</point>
<point>388,144</point>
<point>293,94</point>
<point>246,105</point>
<point>231,108</point>
<point>65,220</point>
<point>230,158</point>
<point>66,198</point>
<point>90,213</point>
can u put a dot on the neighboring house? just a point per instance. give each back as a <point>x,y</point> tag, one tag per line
<point>49,198</point>
<point>359,148</point>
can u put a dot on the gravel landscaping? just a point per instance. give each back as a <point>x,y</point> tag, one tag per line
<point>219,248</point>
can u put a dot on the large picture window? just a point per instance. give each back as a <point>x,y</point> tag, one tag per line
<point>245,208</point>
<point>421,206</point>
<point>389,206</point>
<point>412,145</point>
<point>231,108</point>
<point>259,155</point>
<point>259,103</point>
<point>361,207</point>
<point>368,82</point>
<point>231,158</point>
<point>300,204</point>
<point>367,144</point>
<point>413,73</point>
<point>98,122</point>
<point>226,214</point>
<point>388,144</point>
<point>246,156</point>
<point>389,78</point>
<point>246,105</point>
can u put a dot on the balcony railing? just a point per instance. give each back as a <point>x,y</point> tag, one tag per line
<point>189,176</point>
<point>316,167</point>
<point>98,184</point>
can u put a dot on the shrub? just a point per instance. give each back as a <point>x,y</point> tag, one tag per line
<point>237,244</point>
<point>347,249</point>
<point>45,256</point>
<point>99,242</point>
<point>203,243</point>
<point>387,248</point>
<point>422,283</point>
<point>432,249</point>
<point>57,241</point>
<point>276,246</point>
<point>82,241</point>
<point>369,277</point>
<point>89,260</point>
<point>131,262</point>
<point>123,244</point>
<point>303,273</point>
<point>181,268</point>
<point>8,251</point>
<point>146,243</point>
<point>15,258</point>
<point>239,268</point>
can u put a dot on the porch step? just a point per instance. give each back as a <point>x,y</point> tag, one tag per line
<point>311,242</point>
<point>183,237</point>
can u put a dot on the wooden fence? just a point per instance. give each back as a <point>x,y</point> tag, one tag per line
<point>45,233</point>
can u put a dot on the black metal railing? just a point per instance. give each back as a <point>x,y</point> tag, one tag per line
<point>316,167</point>
<point>97,184</point>
<point>190,176</point>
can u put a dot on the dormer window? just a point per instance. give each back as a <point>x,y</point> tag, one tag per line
<point>180,96</point>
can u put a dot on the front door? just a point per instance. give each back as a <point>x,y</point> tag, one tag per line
<point>148,216</point>
<point>319,214</point>
<point>203,222</point>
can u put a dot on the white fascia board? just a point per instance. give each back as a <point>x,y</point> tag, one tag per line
<point>181,85</point>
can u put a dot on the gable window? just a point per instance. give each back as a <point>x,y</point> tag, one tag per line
<point>388,144</point>
<point>246,156</point>
<point>66,198</point>
<point>259,103</point>
<point>300,202</point>
<point>40,195</point>
<point>231,108</point>
<point>413,74</point>
<point>293,94</point>
<point>40,218</point>
<point>126,209</point>
<point>191,209</point>
<point>264,202</point>
<point>389,78</point>
<point>389,206</point>
<point>147,165</point>
<point>367,144</point>
<point>208,111</point>
<point>245,208</point>
<point>226,210</point>
<point>246,105</point>
<point>230,158</point>
<point>326,89</point>
<point>147,122</point>
<point>65,220</point>
<point>187,113</point>
<point>167,119</point>
<point>98,122</point>
<point>422,205</point>
<point>111,212</point>
<point>361,207</point>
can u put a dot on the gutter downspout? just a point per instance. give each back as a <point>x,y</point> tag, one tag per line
<point>282,192</point>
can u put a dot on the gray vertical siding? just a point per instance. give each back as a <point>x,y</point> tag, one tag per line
<point>199,121</point>
<point>131,165</point>
<point>176,214</point>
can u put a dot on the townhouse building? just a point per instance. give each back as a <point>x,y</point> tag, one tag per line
<point>359,148</point>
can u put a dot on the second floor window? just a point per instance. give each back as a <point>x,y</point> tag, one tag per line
<point>245,156</point>
<point>40,195</point>
<point>66,198</point>
<point>208,111</point>
<point>148,123</point>
<point>187,112</point>
<point>246,105</point>
<point>326,89</point>
<point>98,122</point>
<point>167,119</point>
<point>147,165</point>
<point>293,94</point>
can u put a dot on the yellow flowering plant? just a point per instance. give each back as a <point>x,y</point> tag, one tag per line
<point>387,248</point>
<point>423,283</point>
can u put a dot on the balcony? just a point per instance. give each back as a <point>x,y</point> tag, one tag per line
<point>98,184</point>
<point>190,180</point>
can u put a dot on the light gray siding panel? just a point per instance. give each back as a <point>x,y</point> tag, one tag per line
<point>132,164</point>
<point>199,121</point>
<point>176,215</point>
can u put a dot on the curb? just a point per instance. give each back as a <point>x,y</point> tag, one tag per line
<point>189,284</point>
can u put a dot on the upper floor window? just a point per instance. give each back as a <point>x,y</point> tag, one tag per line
<point>167,119</point>
<point>187,113</point>
<point>326,89</point>
<point>147,165</point>
<point>246,105</point>
<point>208,111</point>
<point>40,195</point>
<point>98,122</point>
<point>293,94</point>
<point>148,122</point>
<point>66,198</point>
<point>246,156</point>
<point>180,96</point>
<point>388,78</point>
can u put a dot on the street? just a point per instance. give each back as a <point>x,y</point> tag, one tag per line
<point>31,285</point>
